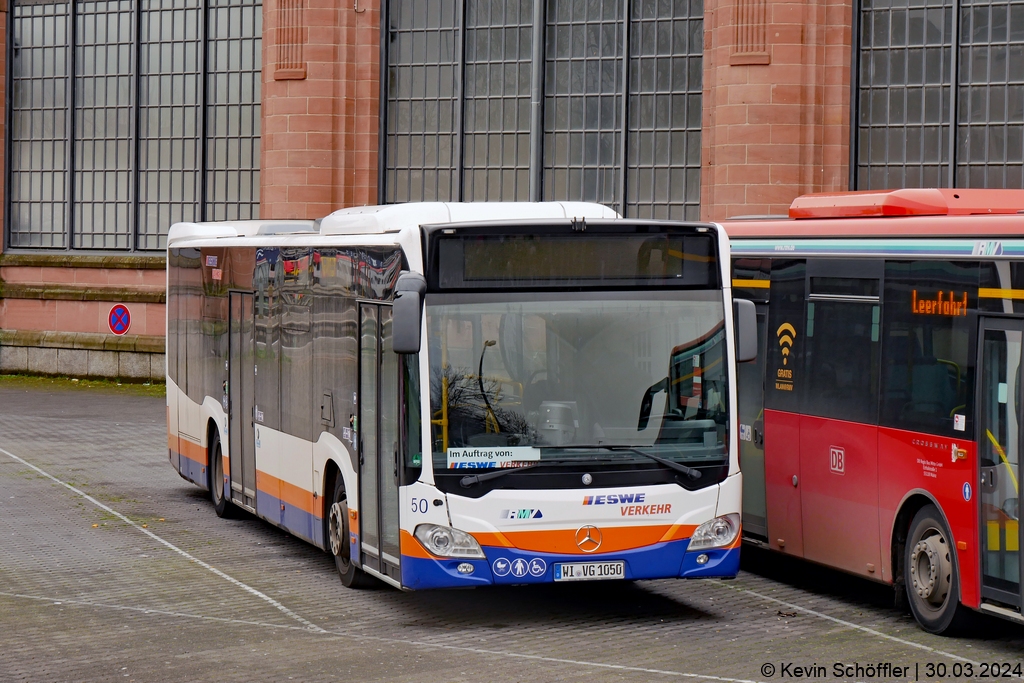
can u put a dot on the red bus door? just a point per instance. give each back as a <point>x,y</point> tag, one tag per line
<point>1001,407</point>
<point>838,437</point>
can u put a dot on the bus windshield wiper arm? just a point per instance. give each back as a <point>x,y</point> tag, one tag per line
<point>690,472</point>
<point>472,479</point>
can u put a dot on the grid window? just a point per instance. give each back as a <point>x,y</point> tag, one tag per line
<point>583,101</point>
<point>561,100</point>
<point>903,101</point>
<point>234,49</point>
<point>665,80</point>
<point>423,95</point>
<point>990,117</point>
<point>103,108</point>
<point>39,123</point>
<point>129,157</point>
<point>497,78</point>
<point>169,117</point>
<point>911,51</point>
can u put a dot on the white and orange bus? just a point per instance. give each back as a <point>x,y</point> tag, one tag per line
<point>881,427</point>
<point>453,395</point>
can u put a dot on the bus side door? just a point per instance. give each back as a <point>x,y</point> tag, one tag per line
<point>241,375</point>
<point>838,431</point>
<point>378,442</point>
<point>1001,406</point>
<point>751,443</point>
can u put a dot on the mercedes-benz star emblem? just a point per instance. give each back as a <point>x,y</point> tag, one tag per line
<point>588,538</point>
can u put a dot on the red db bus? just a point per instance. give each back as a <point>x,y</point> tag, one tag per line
<point>881,427</point>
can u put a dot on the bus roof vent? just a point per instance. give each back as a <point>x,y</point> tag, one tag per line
<point>907,202</point>
<point>286,227</point>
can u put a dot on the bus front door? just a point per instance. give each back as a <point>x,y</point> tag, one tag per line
<point>751,410</point>
<point>378,443</point>
<point>1001,407</point>
<point>241,375</point>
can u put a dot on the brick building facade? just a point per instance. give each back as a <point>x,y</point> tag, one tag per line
<point>125,116</point>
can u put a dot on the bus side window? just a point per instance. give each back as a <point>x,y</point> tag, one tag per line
<point>927,373</point>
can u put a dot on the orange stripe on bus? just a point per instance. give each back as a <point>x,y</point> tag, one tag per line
<point>287,493</point>
<point>192,451</point>
<point>413,548</point>
<point>613,539</point>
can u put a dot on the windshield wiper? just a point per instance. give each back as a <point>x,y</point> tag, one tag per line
<point>690,472</point>
<point>473,479</point>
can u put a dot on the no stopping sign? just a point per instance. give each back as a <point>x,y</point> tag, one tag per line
<point>119,319</point>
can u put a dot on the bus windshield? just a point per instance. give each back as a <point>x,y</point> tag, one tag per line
<point>545,376</point>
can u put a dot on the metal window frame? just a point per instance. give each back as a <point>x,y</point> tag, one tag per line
<point>135,108</point>
<point>956,84</point>
<point>537,97</point>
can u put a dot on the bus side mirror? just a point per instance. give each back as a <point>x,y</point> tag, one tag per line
<point>745,320</point>
<point>407,312</point>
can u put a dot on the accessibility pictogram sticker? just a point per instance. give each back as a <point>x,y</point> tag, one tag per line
<point>120,319</point>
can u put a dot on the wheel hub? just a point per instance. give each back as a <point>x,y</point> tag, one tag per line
<point>930,569</point>
<point>337,527</point>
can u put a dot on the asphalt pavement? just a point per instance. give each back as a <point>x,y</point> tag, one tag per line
<point>112,568</point>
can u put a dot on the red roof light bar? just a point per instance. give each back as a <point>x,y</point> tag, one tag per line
<point>908,202</point>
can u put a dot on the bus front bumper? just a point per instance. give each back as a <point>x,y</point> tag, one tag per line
<point>511,566</point>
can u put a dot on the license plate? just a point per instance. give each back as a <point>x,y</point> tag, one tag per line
<point>589,571</point>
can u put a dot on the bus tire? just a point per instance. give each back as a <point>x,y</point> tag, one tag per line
<point>221,504</point>
<point>931,576</point>
<point>338,540</point>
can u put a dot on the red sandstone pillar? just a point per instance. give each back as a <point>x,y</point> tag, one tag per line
<point>776,103</point>
<point>320,106</point>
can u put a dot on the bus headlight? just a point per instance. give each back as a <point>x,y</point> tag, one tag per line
<point>445,541</point>
<point>716,533</point>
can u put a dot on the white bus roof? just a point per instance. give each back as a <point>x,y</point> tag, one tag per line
<point>363,220</point>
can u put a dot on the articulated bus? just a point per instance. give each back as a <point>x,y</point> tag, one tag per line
<point>455,395</point>
<point>881,426</point>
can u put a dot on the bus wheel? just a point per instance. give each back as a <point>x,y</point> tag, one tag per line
<point>221,505</point>
<point>338,530</point>
<point>933,586</point>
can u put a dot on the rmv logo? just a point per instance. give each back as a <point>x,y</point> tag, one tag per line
<point>837,459</point>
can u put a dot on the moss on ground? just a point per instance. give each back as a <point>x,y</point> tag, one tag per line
<point>69,384</point>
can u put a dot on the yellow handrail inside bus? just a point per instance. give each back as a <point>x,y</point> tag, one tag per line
<point>1002,456</point>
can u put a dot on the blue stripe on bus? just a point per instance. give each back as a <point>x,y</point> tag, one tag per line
<point>293,519</point>
<point>193,471</point>
<point>658,561</point>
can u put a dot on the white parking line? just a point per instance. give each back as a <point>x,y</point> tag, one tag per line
<point>249,589</point>
<point>865,629</point>
<point>393,641</point>
<point>148,610</point>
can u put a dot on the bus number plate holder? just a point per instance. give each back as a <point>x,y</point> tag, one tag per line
<point>589,571</point>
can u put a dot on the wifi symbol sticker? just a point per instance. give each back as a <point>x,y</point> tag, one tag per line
<point>786,334</point>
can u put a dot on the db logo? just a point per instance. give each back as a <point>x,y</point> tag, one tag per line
<point>837,459</point>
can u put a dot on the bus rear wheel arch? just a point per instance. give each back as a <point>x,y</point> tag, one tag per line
<point>930,573</point>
